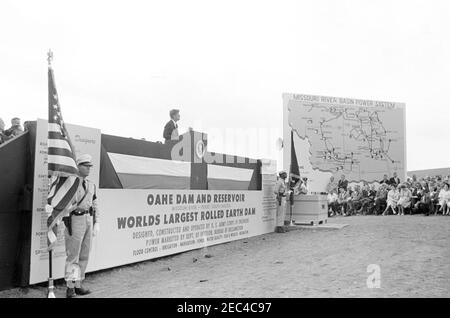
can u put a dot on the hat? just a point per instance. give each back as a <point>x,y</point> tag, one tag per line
<point>84,160</point>
<point>282,171</point>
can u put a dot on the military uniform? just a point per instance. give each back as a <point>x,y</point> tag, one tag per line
<point>81,224</point>
<point>281,192</point>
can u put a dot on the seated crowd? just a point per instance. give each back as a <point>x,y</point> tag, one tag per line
<point>14,131</point>
<point>429,195</point>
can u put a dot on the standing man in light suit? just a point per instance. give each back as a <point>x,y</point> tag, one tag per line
<point>171,128</point>
<point>81,224</point>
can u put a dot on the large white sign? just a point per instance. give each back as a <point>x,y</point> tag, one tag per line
<point>362,139</point>
<point>138,224</point>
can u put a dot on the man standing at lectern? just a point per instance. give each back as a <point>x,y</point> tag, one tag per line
<point>171,128</point>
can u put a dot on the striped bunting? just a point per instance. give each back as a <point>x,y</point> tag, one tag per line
<point>228,178</point>
<point>151,173</point>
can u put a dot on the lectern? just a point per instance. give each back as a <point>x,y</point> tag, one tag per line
<point>309,209</point>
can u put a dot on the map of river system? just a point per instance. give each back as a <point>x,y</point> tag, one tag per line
<point>362,139</point>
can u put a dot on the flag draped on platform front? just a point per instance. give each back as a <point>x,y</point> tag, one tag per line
<point>62,167</point>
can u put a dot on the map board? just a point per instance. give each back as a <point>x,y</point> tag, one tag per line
<point>362,139</point>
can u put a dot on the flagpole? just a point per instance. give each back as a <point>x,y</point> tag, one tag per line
<point>51,292</point>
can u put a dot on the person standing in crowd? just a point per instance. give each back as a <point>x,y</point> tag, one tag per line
<point>392,199</point>
<point>343,183</point>
<point>332,185</point>
<point>81,224</point>
<point>380,198</point>
<point>404,199</point>
<point>385,180</point>
<point>15,129</point>
<point>395,181</point>
<point>444,199</point>
<point>171,128</point>
<point>294,183</point>
<point>281,192</point>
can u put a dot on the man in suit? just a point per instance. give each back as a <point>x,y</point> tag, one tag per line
<point>385,179</point>
<point>171,128</point>
<point>395,181</point>
<point>343,183</point>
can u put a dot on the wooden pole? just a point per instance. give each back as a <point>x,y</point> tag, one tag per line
<point>51,292</point>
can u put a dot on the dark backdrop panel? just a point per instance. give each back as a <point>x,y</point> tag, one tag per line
<point>108,176</point>
<point>13,203</point>
<point>135,147</point>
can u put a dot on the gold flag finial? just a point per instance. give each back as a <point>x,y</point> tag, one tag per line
<point>49,57</point>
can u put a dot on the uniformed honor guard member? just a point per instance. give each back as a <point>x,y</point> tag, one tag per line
<point>81,224</point>
<point>281,191</point>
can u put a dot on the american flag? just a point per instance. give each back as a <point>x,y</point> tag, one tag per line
<point>294,168</point>
<point>61,153</point>
<point>62,168</point>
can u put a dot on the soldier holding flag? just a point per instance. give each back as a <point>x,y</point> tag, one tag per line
<point>81,224</point>
<point>71,198</point>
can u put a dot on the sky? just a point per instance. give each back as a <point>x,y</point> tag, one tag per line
<point>120,66</point>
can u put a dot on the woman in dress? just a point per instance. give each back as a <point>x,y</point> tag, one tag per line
<point>404,200</point>
<point>444,199</point>
<point>392,199</point>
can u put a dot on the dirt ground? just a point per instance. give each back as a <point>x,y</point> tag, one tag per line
<point>412,252</point>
